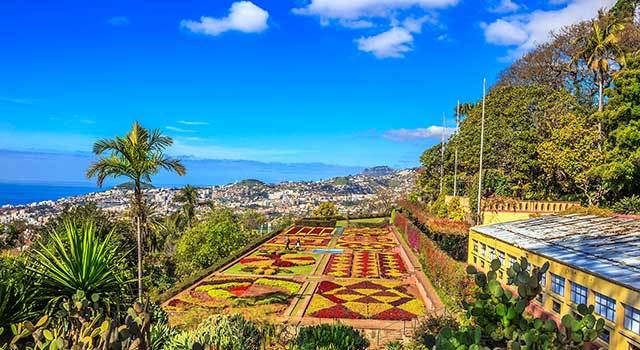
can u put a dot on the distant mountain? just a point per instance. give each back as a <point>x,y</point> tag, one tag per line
<point>378,171</point>
<point>70,168</point>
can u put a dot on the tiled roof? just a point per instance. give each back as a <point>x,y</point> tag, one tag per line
<point>605,246</point>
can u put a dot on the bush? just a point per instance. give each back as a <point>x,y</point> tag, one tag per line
<point>17,297</point>
<point>213,239</point>
<point>425,331</point>
<point>628,205</point>
<point>331,336</point>
<point>220,332</point>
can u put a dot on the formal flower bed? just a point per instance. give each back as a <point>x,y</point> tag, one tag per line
<point>358,242</point>
<point>365,299</point>
<point>366,231</point>
<point>366,264</point>
<point>268,262</point>
<point>224,292</point>
<point>310,231</point>
<point>306,243</point>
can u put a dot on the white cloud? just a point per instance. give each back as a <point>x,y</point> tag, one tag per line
<point>414,25</point>
<point>392,43</point>
<point>173,128</point>
<point>189,122</point>
<point>119,21</point>
<point>505,6</point>
<point>502,32</point>
<point>353,9</point>
<point>243,16</point>
<point>353,23</point>
<point>20,101</point>
<point>431,132</point>
<point>525,31</point>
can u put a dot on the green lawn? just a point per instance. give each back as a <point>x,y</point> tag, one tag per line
<point>343,223</point>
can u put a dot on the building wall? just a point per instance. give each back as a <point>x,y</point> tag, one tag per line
<point>620,338</point>
<point>511,210</point>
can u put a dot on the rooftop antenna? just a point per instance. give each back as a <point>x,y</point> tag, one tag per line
<point>484,92</point>
<point>455,158</point>
<point>442,154</point>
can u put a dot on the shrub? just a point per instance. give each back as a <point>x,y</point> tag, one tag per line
<point>220,332</point>
<point>78,260</point>
<point>17,297</point>
<point>336,336</point>
<point>628,205</point>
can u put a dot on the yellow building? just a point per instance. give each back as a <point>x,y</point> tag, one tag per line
<point>512,209</point>
<point>593,260</point>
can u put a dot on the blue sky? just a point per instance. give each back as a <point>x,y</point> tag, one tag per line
<point>357,83</point>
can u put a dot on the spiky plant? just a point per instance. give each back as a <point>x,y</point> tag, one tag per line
<point>76,260</point>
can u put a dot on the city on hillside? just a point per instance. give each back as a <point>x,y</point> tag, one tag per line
<point>320,175</point>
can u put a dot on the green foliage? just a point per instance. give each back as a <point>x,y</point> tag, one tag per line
<point>188,197</point>
<point>17,295</point>
<point>628,205</point>
<point>212,239</point>
<point>338,336</point>
<point>78,260</point>
<point>11,234</point>
<point>326,210</point>
<point>85,327</point>
<point>497,317</point>
<point>220,332</point>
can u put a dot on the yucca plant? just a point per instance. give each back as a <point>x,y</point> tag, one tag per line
<point>17,301</point>
<point>77,260</point>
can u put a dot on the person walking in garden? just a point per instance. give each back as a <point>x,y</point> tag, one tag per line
<point>287,243</point>
<point>298,244</point>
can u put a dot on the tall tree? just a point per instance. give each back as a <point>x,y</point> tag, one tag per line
<point>188,197</point>
<point>137,156</point>
<point>600,47</point>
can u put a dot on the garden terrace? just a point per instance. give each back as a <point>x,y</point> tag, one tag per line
<point>362,276</point>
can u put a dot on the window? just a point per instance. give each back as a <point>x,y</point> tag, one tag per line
<point>512,260</point>
<point>483,249</point>
<point>501,257</point>
<point>475,259</point>
<point>605,307</point>
<point>605,335</point>
<point>540,298</point>
<point>475,245</point>
<point>557,284</point>
<point>556,307</point>
<point>634,347</point>
<point>543,277</point>
<point>632,319</point>
<point>482,263</point>
<point>579,293</point>
<point>492,253</point>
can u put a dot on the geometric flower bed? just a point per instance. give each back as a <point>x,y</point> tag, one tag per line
<point>310,231</point>
<point>221,292</point>
<point>365,264</point>
<point>265,262</point>
<point>366,242</point>
<point>280,241</point>
<point>366,231</point>
<point>364,299</point>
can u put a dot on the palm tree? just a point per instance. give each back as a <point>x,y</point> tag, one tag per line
<point>188,197</point>
<point>599,47</point>
<point>137,156</point>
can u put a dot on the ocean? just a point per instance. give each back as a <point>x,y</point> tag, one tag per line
<point>16,194</point>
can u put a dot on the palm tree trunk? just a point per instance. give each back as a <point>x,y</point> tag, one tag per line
<point>138,211</point>
<point>600,91</point>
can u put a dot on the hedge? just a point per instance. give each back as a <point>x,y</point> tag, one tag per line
<point>448,276</point>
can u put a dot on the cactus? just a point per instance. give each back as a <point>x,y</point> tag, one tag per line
<point>497,318</point>
<point>82,326</point>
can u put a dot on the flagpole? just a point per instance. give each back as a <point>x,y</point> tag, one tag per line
<point>484,91</point>
<point>455,161</point>
<point>442,155</point>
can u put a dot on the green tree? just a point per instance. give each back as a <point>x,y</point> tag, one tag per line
<point>188,197</point>
<point>599,47</point>
<point>569,155</point>
<point>137,156</point>
<point>215,237</point>
<point>326,210</point>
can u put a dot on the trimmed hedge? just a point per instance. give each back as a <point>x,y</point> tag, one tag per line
<point>197,276</point>
<point>448,276</point>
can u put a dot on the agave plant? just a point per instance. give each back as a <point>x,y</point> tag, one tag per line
<point>77,260</point>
